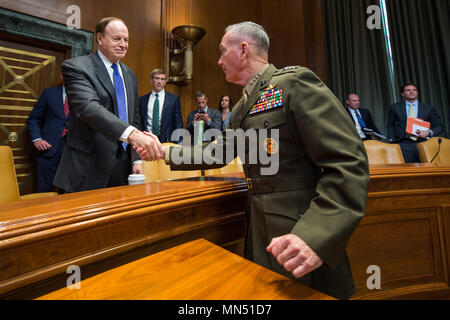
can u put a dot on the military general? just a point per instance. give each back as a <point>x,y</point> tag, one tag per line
<point>299,218</point>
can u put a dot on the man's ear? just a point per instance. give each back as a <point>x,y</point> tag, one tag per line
<point>244,49</point>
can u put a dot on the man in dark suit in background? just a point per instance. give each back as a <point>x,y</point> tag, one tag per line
<point>211,118</point>
<point>103,101</point>
<point>361,117</point>
<point>47,126</point>
<point>160,110</point>
<point>398,118</point>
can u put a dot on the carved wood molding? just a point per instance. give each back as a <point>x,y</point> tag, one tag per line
<point>79,41</point>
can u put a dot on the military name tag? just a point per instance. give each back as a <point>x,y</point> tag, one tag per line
<point>269,99</point>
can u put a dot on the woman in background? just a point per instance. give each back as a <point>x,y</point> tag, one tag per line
<point>225,106</point>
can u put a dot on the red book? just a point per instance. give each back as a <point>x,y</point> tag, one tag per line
<point>415,124</point>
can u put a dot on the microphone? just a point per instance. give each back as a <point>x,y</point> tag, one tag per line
<point>439,149</point>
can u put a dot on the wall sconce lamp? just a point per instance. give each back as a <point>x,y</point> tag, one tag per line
<point>181,61</point>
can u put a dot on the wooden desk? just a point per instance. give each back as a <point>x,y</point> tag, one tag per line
<point>197,270</point>
<point>405,231</point>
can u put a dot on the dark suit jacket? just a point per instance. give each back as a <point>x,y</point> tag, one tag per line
<point>171,115</point>
<point>397,120</point>
<point>214,115</point>
<point>311,195</point>
<point>366,116</point>
<point>47,120</point>
<point>94,127</point>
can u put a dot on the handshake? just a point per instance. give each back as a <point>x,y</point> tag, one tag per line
<point>147,145</point>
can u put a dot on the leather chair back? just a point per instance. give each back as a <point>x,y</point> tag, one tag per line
<point>383,153</point>
<point>428,150</point>
<point>9,188</point>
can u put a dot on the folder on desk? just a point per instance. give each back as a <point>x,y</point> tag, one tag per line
<point>415,124</point>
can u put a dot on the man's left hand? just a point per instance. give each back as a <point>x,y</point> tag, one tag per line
<point>294,255</point>
<point>423,133</point>
<point>137,168</point>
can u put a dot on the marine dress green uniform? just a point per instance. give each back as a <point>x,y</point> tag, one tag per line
<point>319,192</point>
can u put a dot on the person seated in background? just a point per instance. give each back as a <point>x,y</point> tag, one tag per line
<point>202,119</point>
<point>160,110</point>
<point>411,108</point>
<point>361,116</point>
<point>225,106</point>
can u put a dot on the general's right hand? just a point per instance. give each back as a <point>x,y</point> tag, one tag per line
<point>42,145</point>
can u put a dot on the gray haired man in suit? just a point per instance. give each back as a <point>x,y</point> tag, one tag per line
<point>103,100</point>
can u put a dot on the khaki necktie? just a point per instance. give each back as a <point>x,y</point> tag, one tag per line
<point>411,114</point>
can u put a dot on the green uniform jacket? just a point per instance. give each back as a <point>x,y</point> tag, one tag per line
<point>320,190</point>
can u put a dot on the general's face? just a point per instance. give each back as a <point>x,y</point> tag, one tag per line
<point>353,101</point>
<point>158,82</point>
<point>225,102</point>
<point>410,93</point>
<point>114,44</point>
<point>230,60</point>
<point>202,102</point>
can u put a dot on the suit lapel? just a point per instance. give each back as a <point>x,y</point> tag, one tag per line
<point>262,83</point>
<point>60,102</point>
<point>165,106</point>
<point>105,80</point>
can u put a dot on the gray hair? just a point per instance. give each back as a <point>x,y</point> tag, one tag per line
<point>253,31</point>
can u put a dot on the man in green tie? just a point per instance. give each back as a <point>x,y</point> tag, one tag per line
<point>160,110</point>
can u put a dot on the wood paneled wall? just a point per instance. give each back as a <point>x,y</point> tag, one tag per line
<point>294,27</point>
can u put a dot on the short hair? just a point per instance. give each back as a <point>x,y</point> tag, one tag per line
<point>351,93</point>
<point>101,25</point>
<point>253,31</point>
<point>155,72</point>
<point>402,89</point>
<point>200,94</point>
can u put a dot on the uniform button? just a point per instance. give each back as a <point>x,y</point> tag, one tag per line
<point>266,124</point>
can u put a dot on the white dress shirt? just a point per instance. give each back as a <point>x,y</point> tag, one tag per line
<point>355,119</point>
<point>108,64</point>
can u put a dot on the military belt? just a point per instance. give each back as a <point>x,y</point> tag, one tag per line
<point>279,184</point>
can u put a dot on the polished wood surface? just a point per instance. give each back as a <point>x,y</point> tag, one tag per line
<point>406,230</point>
<point>196,270</point>
<point>107,227</point>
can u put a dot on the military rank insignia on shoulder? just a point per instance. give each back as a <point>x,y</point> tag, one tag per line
<point>270,98</point>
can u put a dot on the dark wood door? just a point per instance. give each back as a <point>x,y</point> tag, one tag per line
<point>27,67</point>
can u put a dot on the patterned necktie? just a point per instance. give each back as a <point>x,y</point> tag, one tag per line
<point>66,114</point>
<point>360,120</point>
<point>120,97</point>
<point>411,112</point>
<point>155,118</point>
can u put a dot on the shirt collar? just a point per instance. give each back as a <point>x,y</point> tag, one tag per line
<point>105,60</point>
<point>160,93</point>
<point>254,79</point>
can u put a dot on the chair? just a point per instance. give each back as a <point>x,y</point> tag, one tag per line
<point>9,188</point>
<point>232,167</point>
<point>428,149</point>
<point>383,153</point>
<point>159,171</point>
